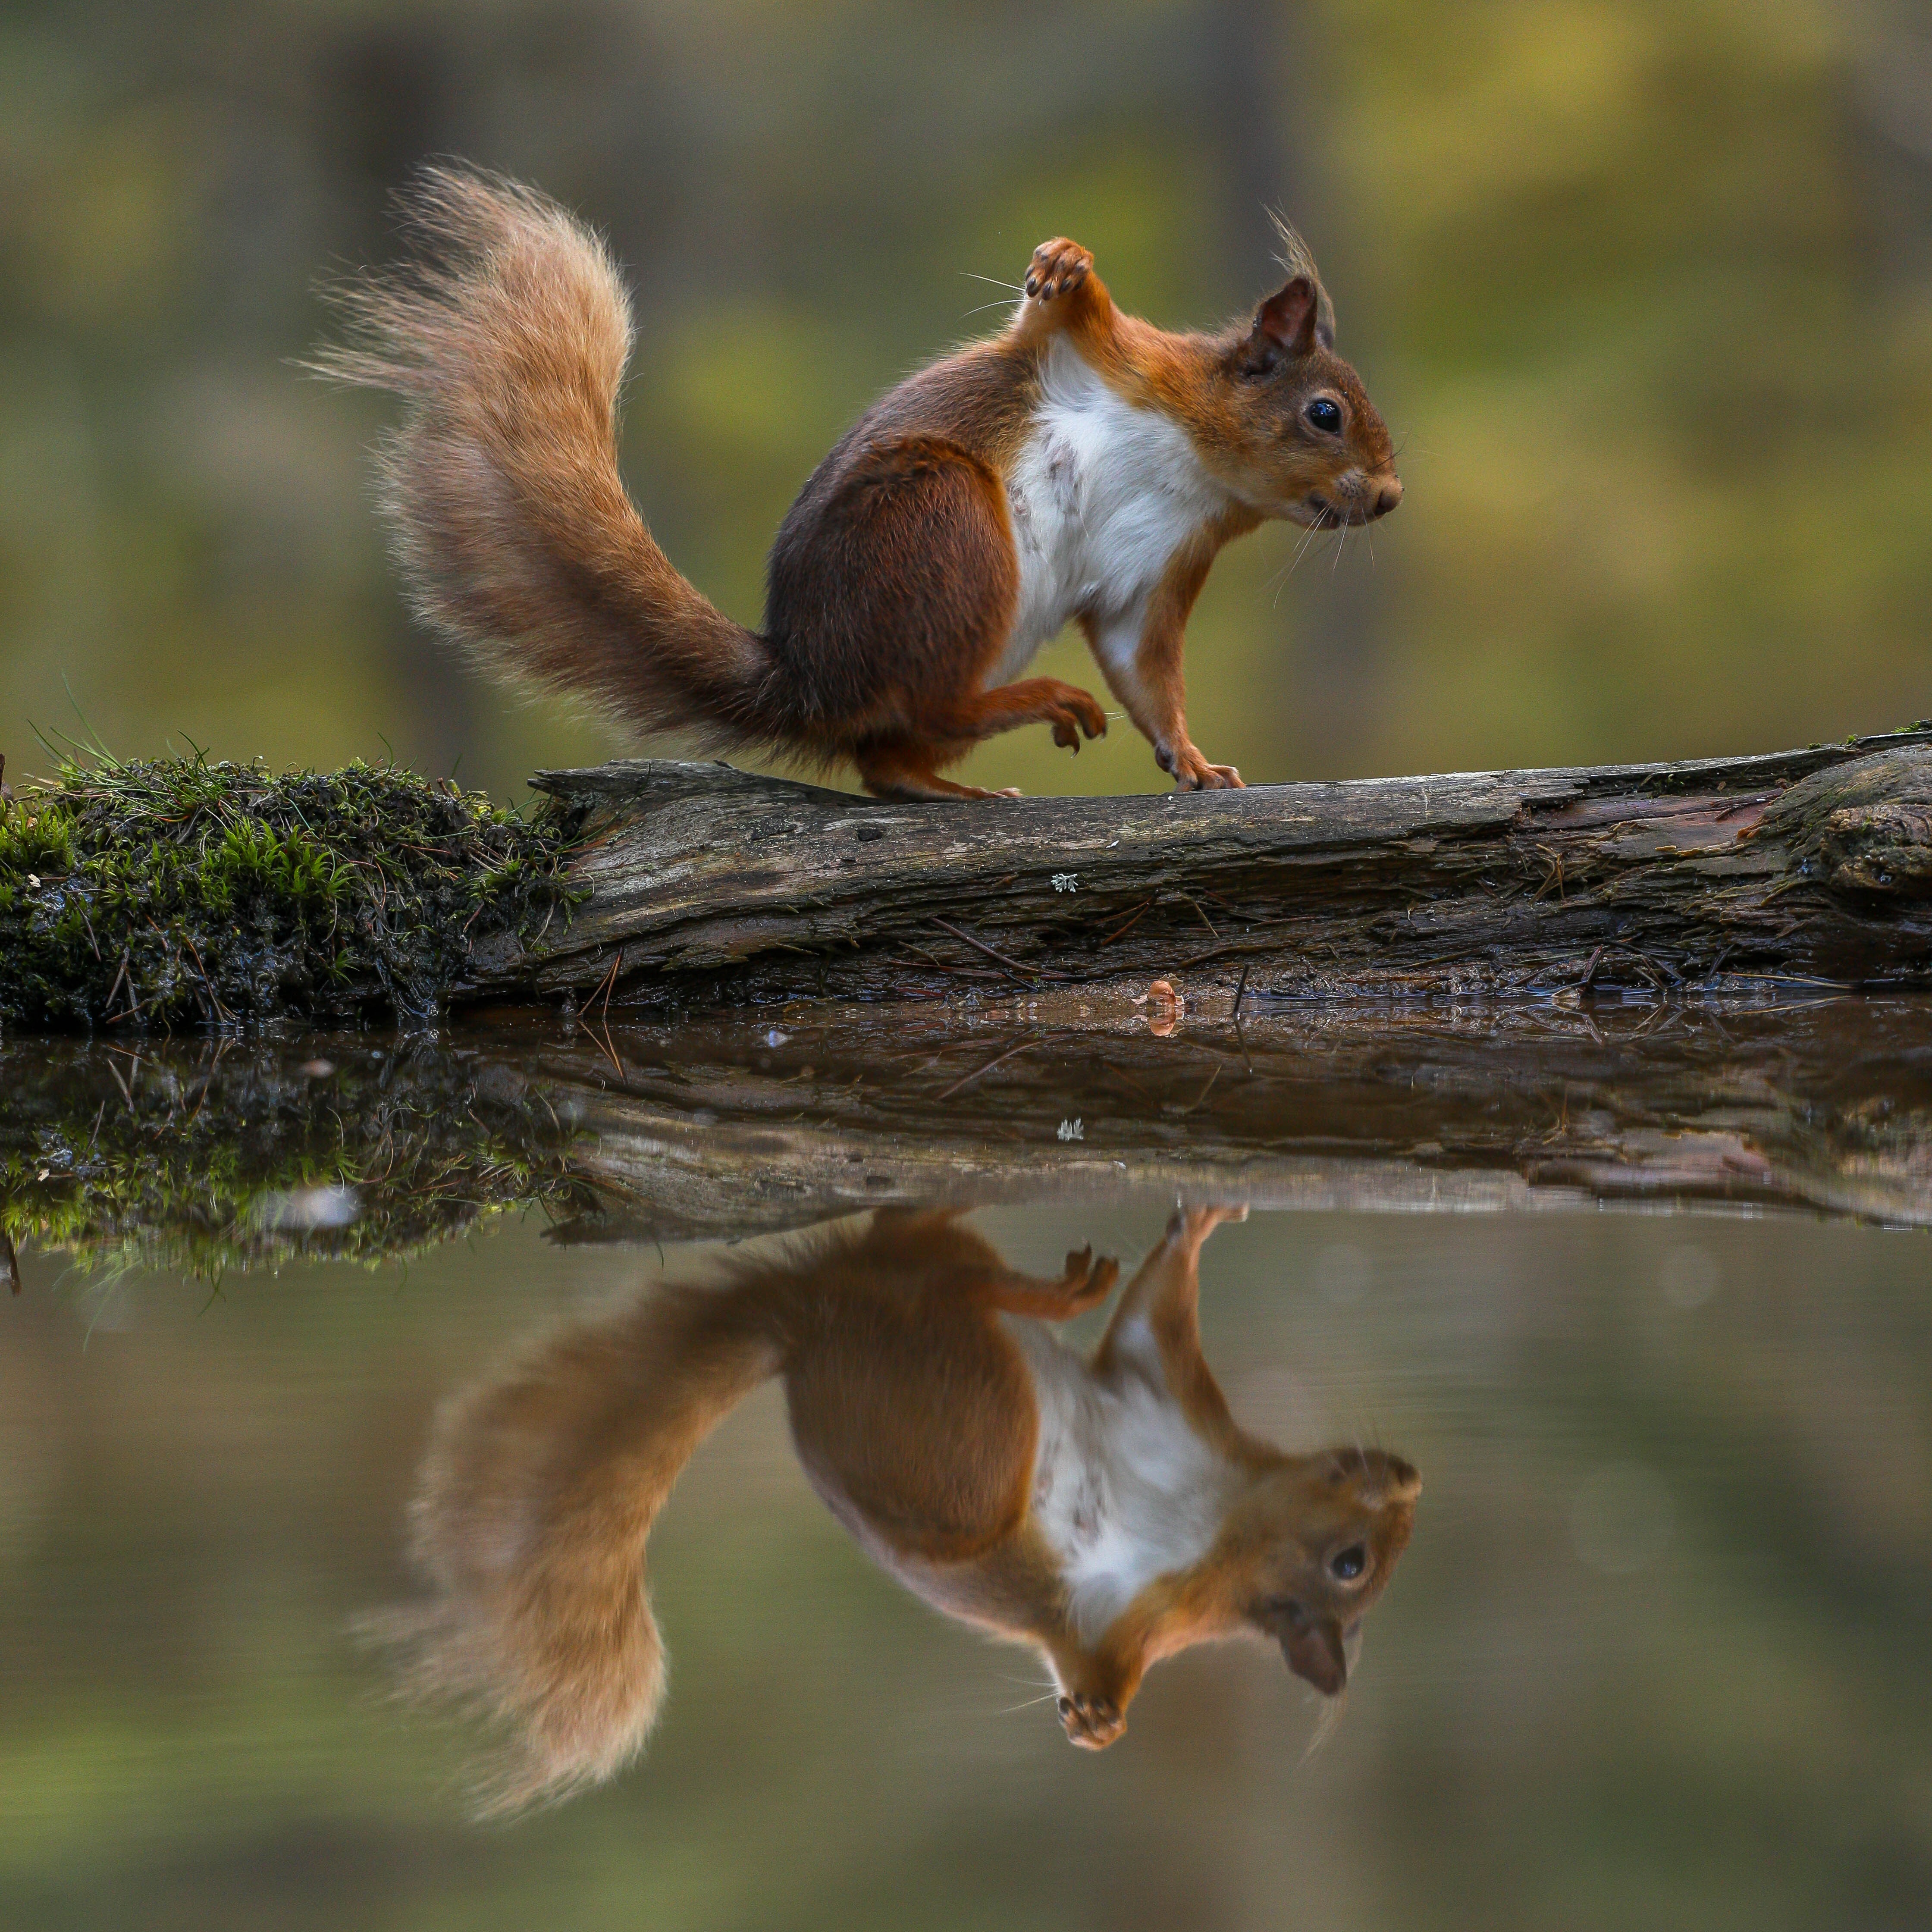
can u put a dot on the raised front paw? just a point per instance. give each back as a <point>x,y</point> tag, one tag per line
<point>1057,267</point>
<point>1091,1723</point>
<point>1073,712</point>
<point>1192,772</point>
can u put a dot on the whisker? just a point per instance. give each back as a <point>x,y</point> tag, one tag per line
<point>994,280</point>
<point>1028,1705</point>
<point>1308,536</point>
<point>986,305</point>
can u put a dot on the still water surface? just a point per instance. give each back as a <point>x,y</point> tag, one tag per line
<point>1654,1654</point>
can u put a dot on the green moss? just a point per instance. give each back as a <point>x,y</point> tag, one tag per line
<point>210,1157</point>
<point>155,893</point>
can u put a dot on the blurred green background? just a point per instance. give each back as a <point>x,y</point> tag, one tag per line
<point>1655,1659</point>
<point>1644,288</point>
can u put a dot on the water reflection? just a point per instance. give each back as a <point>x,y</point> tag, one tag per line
<point>215,1154</point>
<point>1104,1509</point>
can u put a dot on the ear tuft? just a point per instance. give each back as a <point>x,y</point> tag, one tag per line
<point>1297,258</point>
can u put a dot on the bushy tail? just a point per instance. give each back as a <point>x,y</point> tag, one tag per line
<point>532,1508</point>
<point>507,338</point>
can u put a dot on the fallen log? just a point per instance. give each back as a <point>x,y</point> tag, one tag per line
<point>703,884</point>
<point>140,897</point>
<point>211,1155</point>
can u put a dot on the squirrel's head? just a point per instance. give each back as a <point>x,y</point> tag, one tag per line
<point>1321,1535</point>
<point>1294,435</point>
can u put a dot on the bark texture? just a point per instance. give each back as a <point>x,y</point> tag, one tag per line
<point>702,883</point>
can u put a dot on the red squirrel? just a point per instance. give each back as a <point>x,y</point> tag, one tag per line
<point>1106,1510</point>
<point>1080,465</point>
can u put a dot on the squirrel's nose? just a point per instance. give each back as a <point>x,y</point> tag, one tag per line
<point>1391,495</point>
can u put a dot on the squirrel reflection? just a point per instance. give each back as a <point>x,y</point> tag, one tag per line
<point>1106,1510</point>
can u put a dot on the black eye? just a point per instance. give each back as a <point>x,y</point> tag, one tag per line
<point>1324,415</point>
<point>1348,1563</point>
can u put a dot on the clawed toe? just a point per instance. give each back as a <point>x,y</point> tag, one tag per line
<point>1087,1283</point>
<point>1092,1723</point>
<point>1077,715</point>
<point>1056,267</point>
<point>1192,772</point>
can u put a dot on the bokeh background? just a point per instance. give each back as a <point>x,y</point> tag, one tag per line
<point>1655,1659</point>
<point>1643,286</point>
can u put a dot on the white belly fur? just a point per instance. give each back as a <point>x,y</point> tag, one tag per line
<point>1102,496</point>
<point>1124,1491</point>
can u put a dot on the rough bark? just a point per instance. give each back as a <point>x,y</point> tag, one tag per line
<point>704,882</point>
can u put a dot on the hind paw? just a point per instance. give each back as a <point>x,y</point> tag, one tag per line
<point>1086,1282</point>
<point>1074,713</point>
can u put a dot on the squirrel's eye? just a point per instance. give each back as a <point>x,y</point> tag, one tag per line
<point>1348,1563</point>
<point>1324,415</point>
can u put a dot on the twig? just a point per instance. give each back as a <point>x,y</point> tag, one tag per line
<point>107,1006</point>
<point>1203,1093</point>
<point>999,1060</point>
<point>608,984</point>
<point>929,963</point>
<point>1202,916</point>
<point>604,1046</point>
<point>991,953</point>
<point>1119,929</point>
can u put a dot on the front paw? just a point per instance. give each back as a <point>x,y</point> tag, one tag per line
<point>1192,772</point>
<point>1189,1227</point>
<point>1057,268</point>
<point>1091,1723</point>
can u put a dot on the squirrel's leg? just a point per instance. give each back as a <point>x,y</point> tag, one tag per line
<point>1085,1285</point>
<point>1097,1686</point>
<point>902,768</point>
<point>1139,655</point>
<point>1032,700</point>
<point>1156,1331</point>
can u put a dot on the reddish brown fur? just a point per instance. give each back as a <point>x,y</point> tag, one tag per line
<point>893,580</point>
<point>914,1414</point>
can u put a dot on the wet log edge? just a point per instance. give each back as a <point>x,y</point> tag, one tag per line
<point>702,883</point>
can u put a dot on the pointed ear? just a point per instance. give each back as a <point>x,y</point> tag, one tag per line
<point>1284,327</point>
<point>1314,1654</point>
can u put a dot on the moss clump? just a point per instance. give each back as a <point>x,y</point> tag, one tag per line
<point>211,1158</point>
<point>157,892</point>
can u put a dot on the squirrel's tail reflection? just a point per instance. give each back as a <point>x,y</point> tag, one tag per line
<point>529,1522</point>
